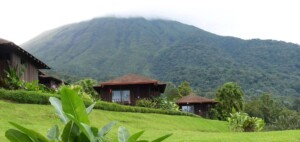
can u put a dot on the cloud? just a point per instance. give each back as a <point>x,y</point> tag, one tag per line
<point>22,20</point>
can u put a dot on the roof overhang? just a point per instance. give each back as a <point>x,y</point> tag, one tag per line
<point>13,47</point>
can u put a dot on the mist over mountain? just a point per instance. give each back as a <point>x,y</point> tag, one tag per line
<point>103,48</point>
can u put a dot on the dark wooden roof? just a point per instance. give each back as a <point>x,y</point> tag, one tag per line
<point>194,99</point>
<point>130,79</point>
<point>3,41</point>
<point>43,76</point>
<point>10,45</point>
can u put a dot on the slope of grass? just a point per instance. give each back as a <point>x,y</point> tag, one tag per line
<point>184,128</point>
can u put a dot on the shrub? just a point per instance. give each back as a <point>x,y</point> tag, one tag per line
<point>87,87</point>
<point>22,96</point>
<point>74,115</point>
<point>242,122</point>
<point>79,90</point>
<point>13,79</point>
<point>287,120</point>
<point>32,97</point>
<point>158,103</point>
<point>163,103</point>
<point>146,103</point>
<point>117,107</point>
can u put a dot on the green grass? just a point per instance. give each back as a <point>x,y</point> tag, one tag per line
<point>184,128</point>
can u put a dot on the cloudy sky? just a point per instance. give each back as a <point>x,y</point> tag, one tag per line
<point>21,20</point>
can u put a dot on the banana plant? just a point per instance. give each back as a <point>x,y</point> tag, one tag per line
<point>73,114</point>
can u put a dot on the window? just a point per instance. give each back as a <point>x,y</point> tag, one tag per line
<point>188,109</point>
<point>121,96</point>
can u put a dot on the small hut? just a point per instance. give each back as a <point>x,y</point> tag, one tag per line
<point>129,88</point>
<point>195,104</point>
<point>50,81</point>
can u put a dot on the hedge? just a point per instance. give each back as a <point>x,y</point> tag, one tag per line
<point>29,97</point>
<point>123,108</point>
<point>32,97</point>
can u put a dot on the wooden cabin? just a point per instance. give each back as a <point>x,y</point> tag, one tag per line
<point>129,88</point>
<point>50,81</point>
<point>195,104</point>
<point>14,56</point>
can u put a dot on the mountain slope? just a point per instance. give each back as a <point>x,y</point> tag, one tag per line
<point>170,51</point>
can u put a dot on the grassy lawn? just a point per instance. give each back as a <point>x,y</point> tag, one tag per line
<point>184,129</point>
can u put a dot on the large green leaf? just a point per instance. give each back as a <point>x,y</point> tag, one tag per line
<point>86,129</point>
<point>16,136</point>
<point>134,137</point>
<point>56,103</point>
<point>73,105</point>
<point>90,108</point>
<point>35,136</point>
<point>82,138</point>
<point>123,134</point>
<point>53,134</point>
<point>70,132</point>
<point>162,138</point>
<point>106,129</point>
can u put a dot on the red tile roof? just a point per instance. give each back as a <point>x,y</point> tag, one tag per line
<point>194,99</point>
<point>130,79</point>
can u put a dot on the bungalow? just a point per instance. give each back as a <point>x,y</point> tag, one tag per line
<point>49,81</point>
<point>129,88</point>
<point>195,104</point>
<point>14,56</point>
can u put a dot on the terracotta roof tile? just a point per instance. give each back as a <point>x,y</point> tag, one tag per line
<point>194,99</point>
<point>130,79</point>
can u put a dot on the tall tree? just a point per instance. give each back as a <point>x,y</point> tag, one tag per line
<point>184,89</point>
<point>230,97</point>
<point>87,86</point>
<point>171,92</point>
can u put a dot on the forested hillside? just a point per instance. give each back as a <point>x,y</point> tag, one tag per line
<point>103,48</point>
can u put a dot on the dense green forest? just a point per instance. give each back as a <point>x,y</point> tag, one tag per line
<point>170,51</point>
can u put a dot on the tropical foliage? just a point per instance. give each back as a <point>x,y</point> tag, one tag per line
<point>74,115</point>
<point>158,103</point>
<point>230,99</point>
<point>184,89</point>
<point>276,114</point>
<point>14,81</point>
<point>87,87</point>
<point>242,122</point>
<point>170,51</point>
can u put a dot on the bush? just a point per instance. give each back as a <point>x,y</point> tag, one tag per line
<point>32,97</point>
<point>242,122</point>
<point>163,103</point>
<point>158,103</point>
<point>122,108</point>
<point>146,103</point>
<point>74,116</point>
<point>22,96</point>
<point>287,120</point>
<point>79,90</point>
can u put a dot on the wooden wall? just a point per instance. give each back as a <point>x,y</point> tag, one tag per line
<point>31,71</point>
<point>3,67</point>
<point>199,108</point>
<point>136,92</point>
